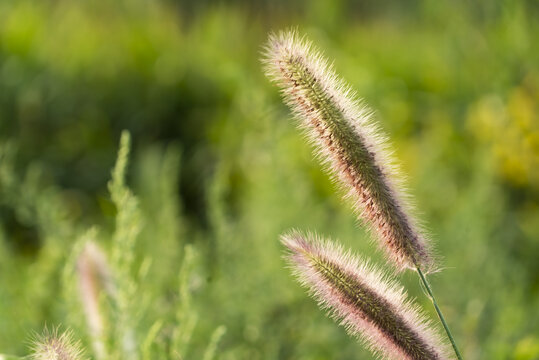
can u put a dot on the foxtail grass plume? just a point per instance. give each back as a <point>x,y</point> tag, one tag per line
<point>348,141</point>
<point>364,302</point>
<point>94,277</point>
<point>54,346</point>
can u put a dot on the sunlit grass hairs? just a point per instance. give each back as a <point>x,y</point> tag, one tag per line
<point>350,143</point>
<point>361,298</point>
<point>53,345</point>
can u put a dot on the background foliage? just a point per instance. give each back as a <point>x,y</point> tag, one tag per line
<point>217,165</point>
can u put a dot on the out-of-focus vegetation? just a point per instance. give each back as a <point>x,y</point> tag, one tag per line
<point>218,166</point>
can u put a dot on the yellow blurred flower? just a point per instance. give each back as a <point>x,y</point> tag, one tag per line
<point>511,128</point>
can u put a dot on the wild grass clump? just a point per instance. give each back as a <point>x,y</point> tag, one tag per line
<point>112,304</point>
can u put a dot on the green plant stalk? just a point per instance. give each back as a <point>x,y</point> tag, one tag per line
<point>439,312</point>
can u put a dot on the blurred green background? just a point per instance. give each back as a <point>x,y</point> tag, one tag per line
<point>454,84</point>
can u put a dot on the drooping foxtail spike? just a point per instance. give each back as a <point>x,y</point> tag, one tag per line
<point>364,302</point>
<point>349,143</point>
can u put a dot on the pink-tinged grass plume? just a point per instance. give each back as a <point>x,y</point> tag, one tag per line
<point>363,300</point>
<point>350,143</point>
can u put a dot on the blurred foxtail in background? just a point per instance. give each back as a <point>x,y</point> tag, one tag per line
<point>94,278</point>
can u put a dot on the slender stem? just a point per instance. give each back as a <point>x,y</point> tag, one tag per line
<point>439,312</point>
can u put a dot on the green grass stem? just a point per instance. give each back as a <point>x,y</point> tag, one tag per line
<point>439,312</point>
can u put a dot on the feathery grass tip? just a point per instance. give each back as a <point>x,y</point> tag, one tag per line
<point>364,302</point>
<point>51,345</point>
<point>349,142</point>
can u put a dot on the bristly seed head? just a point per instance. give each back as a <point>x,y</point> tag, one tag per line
<point>54,346</point>
<point>362,300</point>
<point>349,143</point>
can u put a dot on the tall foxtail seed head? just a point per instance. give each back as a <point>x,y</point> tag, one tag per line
<point>54,346</point>
<point>364,302</point>
<point>348,141</point>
